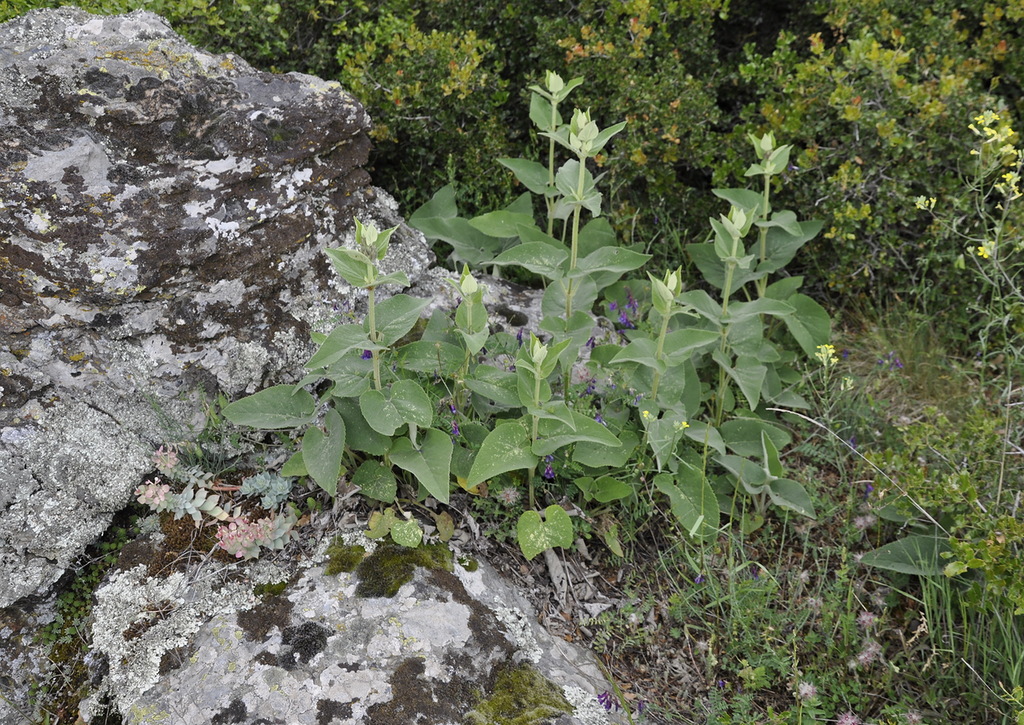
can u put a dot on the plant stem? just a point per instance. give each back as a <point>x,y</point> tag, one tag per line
<point>371,299</point>
<point>574,248</point>
<point>657,356</point>
<point>549,201</point>
<point>762,284</point>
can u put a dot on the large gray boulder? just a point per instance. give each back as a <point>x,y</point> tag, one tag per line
<point>409,636</point>
<point>162,216</point>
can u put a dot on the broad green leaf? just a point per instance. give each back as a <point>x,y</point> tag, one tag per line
<point>809,324</point>
<point>537,257</point>
<point>506,448</point>
<point>322,451</point>
<point>294,466</point>
<point>642,351</point>
<point>751,476</point>
<point>412,403</point>
<point>554,434</point>
<point>748,374</point>
<point>700,432</point>
<point>703,305</point>
<point>536,536</point>
<point>376,481</point>
<point>770,456</point>
<point>439,219</point>
<point>430,356</point>
<point>501,223</point>
<point>692,501</point>
<point>784,288</point>
<point>609,259</point>
<point>274,408</point>
<point>782,245</point>
<point>400,279</point>
<point>494,384</point>
<point>353,266</point>
<point>406,532</point>
<point>430,463</point>
<point>603,489</point>
<point>713,269</point>
<point>596,455</point>
<point>605,135</point>
<point>395,316</point>
<point>680,344</point>
<point>358,433</point>
<point>788,494</point>
<point>380,413</point>
<point>743,435</point>
<point>596,234</point>
<point>540,113</point>
<point>786,220</point>
<point>764,306</point>
<point>530,174</point>
<point>917,554</point>
<point>745,199</point>
<point>343,339</point>
<point>553,301</point>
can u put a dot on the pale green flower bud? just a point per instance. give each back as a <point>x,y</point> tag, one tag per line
<point>553,81</point>
<point>467,284</point>
<point>538,350</point>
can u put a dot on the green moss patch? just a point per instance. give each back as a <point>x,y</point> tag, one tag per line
<point>343,558</point>
<point>384,572</point>
<point>521,697</point>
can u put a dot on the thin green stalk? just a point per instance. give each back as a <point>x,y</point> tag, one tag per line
<point>371,312</point>
<point>548,200</point>
<point>657,356</point>
<point>570,288</point>
<point>762,284</point>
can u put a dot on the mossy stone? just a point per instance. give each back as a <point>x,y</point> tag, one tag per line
<point>269,589</point>
<point>383,572</point>
<point>343,558</point>
<point>521,697</point>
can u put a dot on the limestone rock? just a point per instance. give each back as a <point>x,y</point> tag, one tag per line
<point>163,213</point>
<point>330,648</point>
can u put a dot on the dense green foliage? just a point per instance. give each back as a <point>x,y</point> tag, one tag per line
<point>874,94</point>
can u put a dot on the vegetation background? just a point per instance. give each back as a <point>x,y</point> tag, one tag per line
<point>876,97</point>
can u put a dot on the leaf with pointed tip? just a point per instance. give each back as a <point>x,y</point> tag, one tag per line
<point>274,408</point>
<point>376,481</point>
<point>396,316</point>
<point>506,448</point>
<point>342,340</point>
<point>530,174</point>
<point>788,494</point>
<point>537,257</point>
<point>380,413</point>
<point>430,463</point>
<point>322,452</point>
<point>536,536</point>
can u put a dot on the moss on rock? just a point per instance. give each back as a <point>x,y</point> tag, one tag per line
<point>343,558</point>
<point>521,697</point>
<point>384,572</point>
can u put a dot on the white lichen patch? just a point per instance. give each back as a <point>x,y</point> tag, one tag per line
<point>138,619</point>
<point>585,706</point>
<point>519,632</point>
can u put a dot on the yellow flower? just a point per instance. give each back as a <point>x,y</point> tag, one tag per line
<point>986,250</point>
<point>827,355</point>
<point>682,425</point>
<point>987,118</point>
<point>925,202</point>
<point>646,414</point>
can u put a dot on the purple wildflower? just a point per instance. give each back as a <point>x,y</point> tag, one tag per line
<point>455,430</point>
<point>612,306</point>
<point>549,472</point>
<point>591,343</point>
<point>608,701</point>
<point>868,488</point>
<point>625,321</point>
<point>600,420</point>
<point>367,354</point>
<point>699,579</point>
<point>519,337</point>
<point>631,302</point>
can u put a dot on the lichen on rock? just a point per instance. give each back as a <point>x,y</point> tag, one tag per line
<point>165,215</point>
